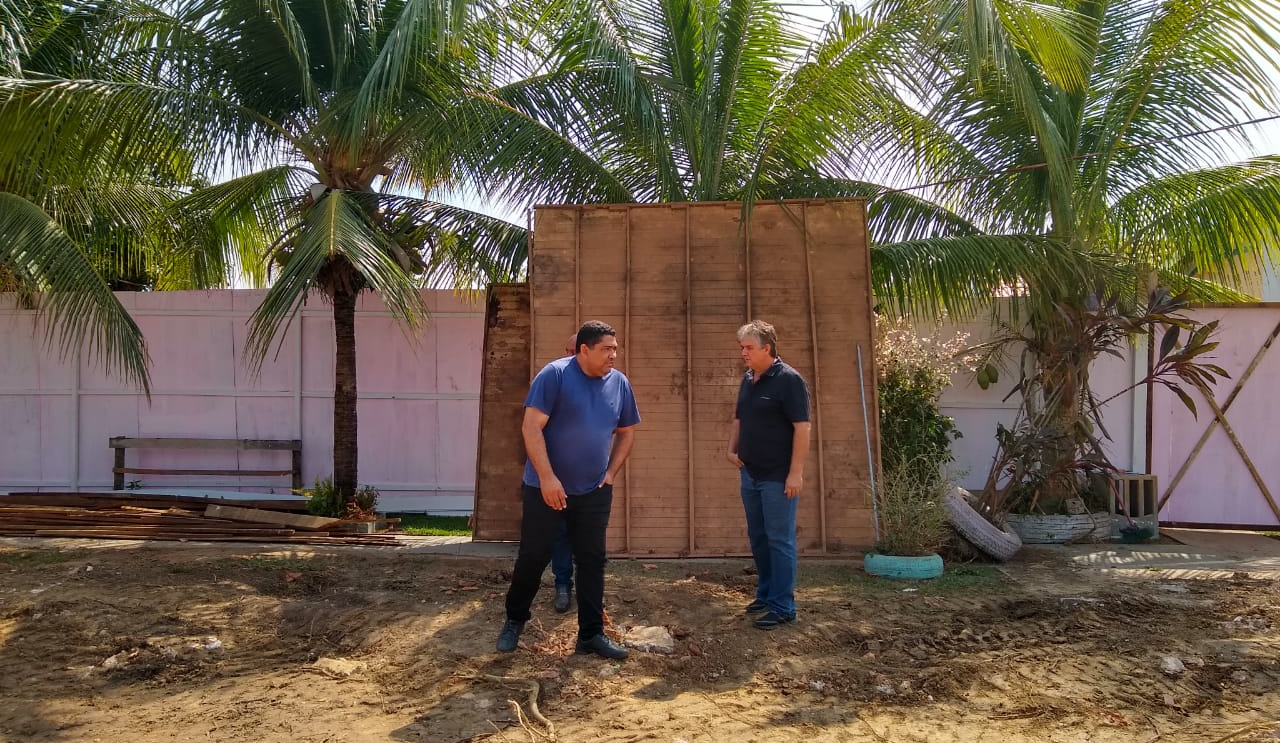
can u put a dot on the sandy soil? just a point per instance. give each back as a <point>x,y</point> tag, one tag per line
<point>171,642</point>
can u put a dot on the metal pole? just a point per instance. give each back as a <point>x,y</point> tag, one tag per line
<point>871,467</point>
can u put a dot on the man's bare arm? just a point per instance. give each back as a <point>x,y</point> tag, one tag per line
<point>732,452</point>
<point>799,452</point>
<point>535,445</point>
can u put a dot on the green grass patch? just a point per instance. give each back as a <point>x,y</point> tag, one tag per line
<point>423,525</point>
<point>38,558</point>
<point>1272,534</point>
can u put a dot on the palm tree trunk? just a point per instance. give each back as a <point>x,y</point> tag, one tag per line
<point>345,440</point>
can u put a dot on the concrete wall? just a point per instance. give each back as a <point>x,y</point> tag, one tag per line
<point>419,398</point>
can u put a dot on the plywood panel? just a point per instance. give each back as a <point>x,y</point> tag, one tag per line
<point>677,280</point>
<point>504,383</point>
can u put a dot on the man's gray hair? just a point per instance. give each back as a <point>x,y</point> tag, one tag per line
<point>763,334</point>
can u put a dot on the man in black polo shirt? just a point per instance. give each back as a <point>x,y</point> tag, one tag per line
<point>768,444</point>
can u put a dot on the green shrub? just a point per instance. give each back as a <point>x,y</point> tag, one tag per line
<point>323,499</point>
<point>912,519</point>
<point>913,369</point>
<point>365,504</point>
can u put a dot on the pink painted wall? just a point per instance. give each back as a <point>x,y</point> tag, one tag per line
<point>419,403</point>
<point>419,398</point>
<point>1217,487</point>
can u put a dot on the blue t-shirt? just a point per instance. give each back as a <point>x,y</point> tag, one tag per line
<point>584,411</point>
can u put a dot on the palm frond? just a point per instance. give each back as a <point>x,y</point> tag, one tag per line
<point>232,226</point>
<point>1217,223</point>
<point>83,313</point>
<point>961,274</point>
<point>336,229</point>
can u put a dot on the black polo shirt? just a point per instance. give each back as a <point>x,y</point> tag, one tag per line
<point>766,411</point>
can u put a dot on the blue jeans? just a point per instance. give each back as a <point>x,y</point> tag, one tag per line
<point>562,559</point>
<point>771,529</point>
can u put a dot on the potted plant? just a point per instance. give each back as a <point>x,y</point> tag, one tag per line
<point>1051,478</point>
<point>915,442</point>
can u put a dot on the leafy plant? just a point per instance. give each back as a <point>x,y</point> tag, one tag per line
<point>913,367</point>
<point>364,505</point>
<point>912,519</point>
<point>324,499</point>
<point>1054,450</point>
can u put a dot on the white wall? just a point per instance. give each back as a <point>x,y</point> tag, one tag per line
<point>418,399</point>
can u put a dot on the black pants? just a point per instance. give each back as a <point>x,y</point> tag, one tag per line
<point>587,517</point>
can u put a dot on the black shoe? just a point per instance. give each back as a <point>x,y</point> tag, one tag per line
<point>509,637</point>
<point>562,599</point>
<point>755,607</point>
<point>603,647</point>
<point>774,619</point>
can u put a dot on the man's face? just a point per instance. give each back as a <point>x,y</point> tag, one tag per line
<point>754,355</point>
<point>597,361</point>
<point>571,345</point>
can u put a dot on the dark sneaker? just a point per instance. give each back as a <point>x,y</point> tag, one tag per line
<point>755,607</point>
<point>774,619</point>
<point>562,599</point>
<point>603,647</point>
<point>509,637</point>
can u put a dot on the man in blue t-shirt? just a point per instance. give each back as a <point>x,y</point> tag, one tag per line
<point>768,443</point>
<point>579,424</point>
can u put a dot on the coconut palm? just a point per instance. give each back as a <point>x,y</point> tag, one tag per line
<point>1119,171</point>
<point>1061,141</point>
<point>67,228</point>
<point>329,119</point>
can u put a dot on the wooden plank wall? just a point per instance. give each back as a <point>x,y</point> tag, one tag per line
<point>676,281</point>
<point>504,380</point>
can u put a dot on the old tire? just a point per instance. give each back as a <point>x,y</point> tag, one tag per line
<point>1000,544</point>
<point>899,567</point>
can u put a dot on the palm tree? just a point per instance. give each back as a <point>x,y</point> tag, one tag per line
<point>1119,168</point>
<point>330,119</point>
<point>67,224</point>
<point>1061,141</point>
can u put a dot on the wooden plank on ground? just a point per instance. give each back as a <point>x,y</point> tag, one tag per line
<point>260,516</point>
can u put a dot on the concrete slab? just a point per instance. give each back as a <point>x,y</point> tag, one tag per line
<point>1240,544</point>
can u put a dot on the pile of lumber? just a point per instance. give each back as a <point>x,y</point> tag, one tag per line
<point>116,517</point>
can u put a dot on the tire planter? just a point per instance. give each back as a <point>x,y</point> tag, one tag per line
<point>1000,544</point>
<point>900,567</point>
<point>1057,528</point>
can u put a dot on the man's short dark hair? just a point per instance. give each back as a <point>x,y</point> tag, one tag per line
<point>763,333</point>
<point>591,332</point>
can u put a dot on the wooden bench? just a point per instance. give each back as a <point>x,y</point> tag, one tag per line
<point>122,443</point>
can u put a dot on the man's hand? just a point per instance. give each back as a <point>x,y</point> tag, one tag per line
<point>608,479</point>
<point>793,486</point>
<point>553,494</point>
<point>733,459</point>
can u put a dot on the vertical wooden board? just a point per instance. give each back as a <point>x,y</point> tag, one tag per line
<point>682,356</point>
<point>718,307</point>
<point>553,282</point>
<point>659,369</point>
<point>504,382</point>
<point>842,299</point>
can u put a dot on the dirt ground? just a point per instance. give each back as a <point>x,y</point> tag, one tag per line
<point>181,642</point>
